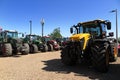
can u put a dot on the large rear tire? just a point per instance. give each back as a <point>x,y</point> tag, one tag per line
<point>68,56</point>
<point>26,49</point>
<point>100,57</point>
<point>7,49</point>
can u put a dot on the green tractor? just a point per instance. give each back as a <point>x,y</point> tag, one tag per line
<point>10,43</point>
<point>38,43</point>
<point>33,41</point>
<point>90,44</point>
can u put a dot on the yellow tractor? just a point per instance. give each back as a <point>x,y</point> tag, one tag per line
<point>90,43</point>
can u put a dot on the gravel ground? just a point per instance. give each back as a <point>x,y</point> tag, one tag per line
<point>47,66</point>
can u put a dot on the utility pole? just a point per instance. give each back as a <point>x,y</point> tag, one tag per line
<point>30,27</point>
<point>42,23</point>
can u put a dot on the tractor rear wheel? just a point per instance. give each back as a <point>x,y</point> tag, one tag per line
<point>26,49</point>
<point>7,49</point>
<point>114,54</point>
<point>100,57</point>
<point>68,56</point>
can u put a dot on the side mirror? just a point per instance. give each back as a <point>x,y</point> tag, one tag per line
<point>79,24</point>
<point>71,30</point>
<point>108,25</point>
<point>5,33</point>
<point>111,34</point>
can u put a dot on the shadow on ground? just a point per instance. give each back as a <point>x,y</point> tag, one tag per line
<point>15,56</point>
<point>55,65</point>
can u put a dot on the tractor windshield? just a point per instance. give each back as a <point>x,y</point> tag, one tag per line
<point>12,34</point>
<point>32,37</point>
<point>92,29</point>
<point>47,39</point>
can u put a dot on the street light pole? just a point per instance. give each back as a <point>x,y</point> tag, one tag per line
<point>116,26</point>
<point>42,23</point>
<point>30,27</point>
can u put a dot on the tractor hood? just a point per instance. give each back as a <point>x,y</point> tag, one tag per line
<point>77,37</point>
<point>82,38</point>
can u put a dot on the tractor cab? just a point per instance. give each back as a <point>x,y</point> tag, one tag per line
<point>33,38</point>
<point>96,28</point>
<point>8,34</point>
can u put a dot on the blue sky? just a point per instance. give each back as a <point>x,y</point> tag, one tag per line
<point>16,14</point>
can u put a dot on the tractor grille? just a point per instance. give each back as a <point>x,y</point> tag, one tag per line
<point>79,43</point>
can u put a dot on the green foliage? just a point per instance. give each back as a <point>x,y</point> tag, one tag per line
<point>55,34</point>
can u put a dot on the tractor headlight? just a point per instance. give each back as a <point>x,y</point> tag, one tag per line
<point>55,43</point>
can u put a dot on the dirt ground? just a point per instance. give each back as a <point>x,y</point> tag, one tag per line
<point>48,66</point>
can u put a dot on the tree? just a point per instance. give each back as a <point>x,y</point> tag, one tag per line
<point>56,33</point>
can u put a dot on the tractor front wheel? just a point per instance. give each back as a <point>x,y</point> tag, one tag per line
<point>68,56</point>
<point>50,47</point>
<point>44,48</point>
<point>100,57</point>
<point>26,49</point>
<point>33,48</point>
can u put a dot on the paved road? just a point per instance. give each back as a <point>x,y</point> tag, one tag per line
<point>47,66</point>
